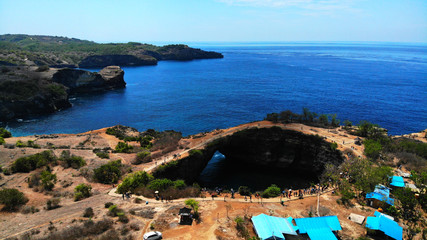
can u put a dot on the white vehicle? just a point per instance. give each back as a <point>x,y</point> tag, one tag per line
<point>153,236</point>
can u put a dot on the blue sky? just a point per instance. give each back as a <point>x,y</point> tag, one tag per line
<point>219,20</point>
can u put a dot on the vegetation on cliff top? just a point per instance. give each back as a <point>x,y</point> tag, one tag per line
<point>51,50</point>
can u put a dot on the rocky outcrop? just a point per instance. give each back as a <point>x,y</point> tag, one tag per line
<point>84,81</point>
<point>183,52</point>
<point>113,77</point>
<point>98,61</point>
<point>25,92</point>
<point>272,148</point>
<point>33,98</point>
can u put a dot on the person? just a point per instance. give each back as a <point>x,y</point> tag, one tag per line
<point>123,196</point>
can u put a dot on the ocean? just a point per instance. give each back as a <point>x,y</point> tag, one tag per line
<point>381,82</point>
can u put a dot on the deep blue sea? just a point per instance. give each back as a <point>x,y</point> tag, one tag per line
<point>383,83</point>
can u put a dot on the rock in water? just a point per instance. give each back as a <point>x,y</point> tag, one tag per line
<point>113,77</point>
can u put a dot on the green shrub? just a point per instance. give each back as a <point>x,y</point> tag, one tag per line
<point>32,144</point>
<point>108,204</point>
<point>29,163</point>
<point>4,133</point>
<point>372,148</point>
<point>143,157</point>
<point>88,213</point>
<point>103,155</point>
<point>123,147</point>
<point>123,219</point>
<point>195,152</point>
<point>48,180</point>
<point>160,184</point>
<point>244,191</point>
<point>272,191</point>
<point>193,204</point>
<point>179,184</point>
<point>145,142</point>
<point>20,144</point>
<point>2,140</point>
<point>115,211</point>
<point>82,191</point>
<point>133,181</point>
<point>72,161</point>
<point>12,198</point>
<point>334,146</point>
<point>53,203</point>
<point>108,173</point>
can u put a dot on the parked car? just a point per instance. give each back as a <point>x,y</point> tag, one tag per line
<point>153,236</point>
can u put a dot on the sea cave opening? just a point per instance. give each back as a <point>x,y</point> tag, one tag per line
<point>223,172</point>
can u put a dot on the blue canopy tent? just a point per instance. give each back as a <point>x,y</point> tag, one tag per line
<point>381,193</point>
<point>397,181</point>
<point>319,228</point>
<point>269,227</point>
<point>385,224</point>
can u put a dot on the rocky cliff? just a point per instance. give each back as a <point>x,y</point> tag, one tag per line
<point>27,91</point>
<point>273,148</point>
<point>120,60</point>
<point>84,81</point>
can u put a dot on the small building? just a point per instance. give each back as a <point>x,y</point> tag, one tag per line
<point>397,181</point>
<point>385,223</point>
<point>319,228</point>
<point>185,216</point>
<point>359,219</point>
<point>379,197</point>
<point>270,227</point>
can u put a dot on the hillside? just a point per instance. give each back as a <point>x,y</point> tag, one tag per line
<point>62,154</point>
<point>20,49</point>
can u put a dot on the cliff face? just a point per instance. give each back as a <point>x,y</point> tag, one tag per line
<point>120,60</point>
<point>83,81</point>
<point>32,98</point>
<point>183,52</point>
<point>25,91</point>
<point>266,148</point>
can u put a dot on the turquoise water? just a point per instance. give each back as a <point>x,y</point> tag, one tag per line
<point>384,83</point>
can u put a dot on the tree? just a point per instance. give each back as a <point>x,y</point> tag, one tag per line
<point>134,180</point>
<point>244,191</point>
<point>12,198</point>
<point>143,157</point>
<point>408,202</point>
<point>273,117</point>
<point>82,191</point>
<point>193,204</point>
<point>285,116</point>
<point>123,147</point>
<point>347,123</point>
<point>323,119</point>
<point>372,148</point>
<point>334,121</point>
<point>48,180</point>
<point>272,191</point>
<point>4,133</point>
<point>108,173</point>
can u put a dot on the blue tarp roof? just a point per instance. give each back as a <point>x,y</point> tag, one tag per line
<point>386,225</point>
<point>381,193</point>
<point>397,181</point>
<point>268,227</point>
<point>319,227</point>
<point>383,190</point>
<point>380,197</point>
<point>321,234</point>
